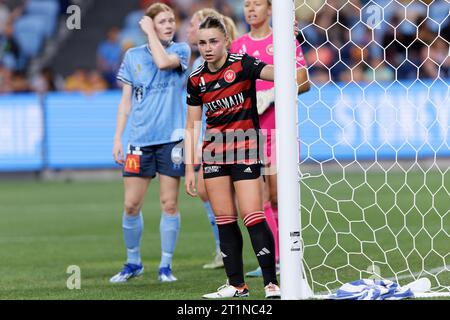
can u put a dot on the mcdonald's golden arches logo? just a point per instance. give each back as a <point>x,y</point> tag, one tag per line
<point>132,163</point>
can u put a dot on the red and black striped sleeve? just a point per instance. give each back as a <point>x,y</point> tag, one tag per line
<point>252,67</point>
<point>193,98</point>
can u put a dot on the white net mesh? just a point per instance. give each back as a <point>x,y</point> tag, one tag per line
<point>374,132</point>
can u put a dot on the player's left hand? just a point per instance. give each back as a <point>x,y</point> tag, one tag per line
<point>189,183</point>
<point>147,25</point>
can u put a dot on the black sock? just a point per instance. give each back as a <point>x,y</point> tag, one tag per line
<point>264,247</point>
<point>231,247</point>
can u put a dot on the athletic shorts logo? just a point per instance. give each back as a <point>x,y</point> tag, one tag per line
<point>212,169</point>
<point>248,170</point>
<point>263,252</point>
<point>269,49</point>
<point>230,76</point>
<point>132,163</point>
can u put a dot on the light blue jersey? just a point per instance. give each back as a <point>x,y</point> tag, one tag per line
<point>158,112</point>
<point>197,62</point>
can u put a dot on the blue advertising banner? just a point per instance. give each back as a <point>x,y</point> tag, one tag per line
<point>80,130</point>
<point>344,122</point>
<point>21,133</point>
<point>368,122</point>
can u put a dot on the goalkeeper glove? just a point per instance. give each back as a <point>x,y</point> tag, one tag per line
<point>264,99</point>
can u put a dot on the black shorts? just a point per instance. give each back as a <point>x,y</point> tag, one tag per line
<point>237,172</point>
<point>165,159</point>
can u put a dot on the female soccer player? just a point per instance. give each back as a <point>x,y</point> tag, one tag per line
<point>225,85</point>
<point>197,17</point>
<point>153,77</point>
<point>259,44</point>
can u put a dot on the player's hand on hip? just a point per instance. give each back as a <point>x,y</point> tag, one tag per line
<point>118,152</point>
<point>189,183</point>
<point>147,24</point>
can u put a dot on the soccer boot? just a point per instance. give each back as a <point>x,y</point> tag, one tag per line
<point>165,275</point>
<point>129,271</point>
<point>228,291</point>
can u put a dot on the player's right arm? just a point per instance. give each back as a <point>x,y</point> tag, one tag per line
<point>122,118</point>
<point>193,128</point>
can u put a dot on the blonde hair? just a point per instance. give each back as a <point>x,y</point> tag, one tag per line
<point>156,9</point>
<point>203,13</point>
<point>231,30</point>
<point>230,26</point>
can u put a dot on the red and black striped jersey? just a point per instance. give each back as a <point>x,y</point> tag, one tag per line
<point>232,122</point>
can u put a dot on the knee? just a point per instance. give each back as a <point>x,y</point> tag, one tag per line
<point>132,208</point>
<point>223,212</point>
<point>169,206</point>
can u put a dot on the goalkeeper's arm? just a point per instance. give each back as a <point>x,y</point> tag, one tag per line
<point>265,98</point>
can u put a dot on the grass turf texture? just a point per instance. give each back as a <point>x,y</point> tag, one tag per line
<point>47,226</point>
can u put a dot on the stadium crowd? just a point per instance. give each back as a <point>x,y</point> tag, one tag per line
<point>339,43</point>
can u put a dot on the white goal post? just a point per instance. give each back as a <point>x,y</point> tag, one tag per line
<point>293,283</point>
<point>364,188</point>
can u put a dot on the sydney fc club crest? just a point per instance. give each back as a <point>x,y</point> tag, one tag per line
<point>230,76</point>
<point>139,94</point>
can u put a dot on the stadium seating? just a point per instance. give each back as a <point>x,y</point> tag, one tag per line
<point>29,32</point>
<point>37,24</point>
<point>132,35</point>
<point>132,19</point>
<point>47,10</point>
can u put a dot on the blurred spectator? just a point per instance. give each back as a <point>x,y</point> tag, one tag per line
<point>46,81</point>
<point>78,81</point>
<point>16,3</point>
<point>4,15</point>
<point>16,7</point>
<point>437,60</point>
<point>9,50</point>
<point>5,79</point>
<point>108,56</point>
<point>379,71</point>
<point>96,82</point>
<point>20,83</point>
<point>85,81</point>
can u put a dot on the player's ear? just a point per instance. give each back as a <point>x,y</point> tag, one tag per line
<point>269,10</point>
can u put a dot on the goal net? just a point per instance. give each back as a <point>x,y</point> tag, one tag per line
<point>374,142</point>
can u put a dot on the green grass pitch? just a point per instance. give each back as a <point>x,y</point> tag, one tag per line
<point>47,226</point>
